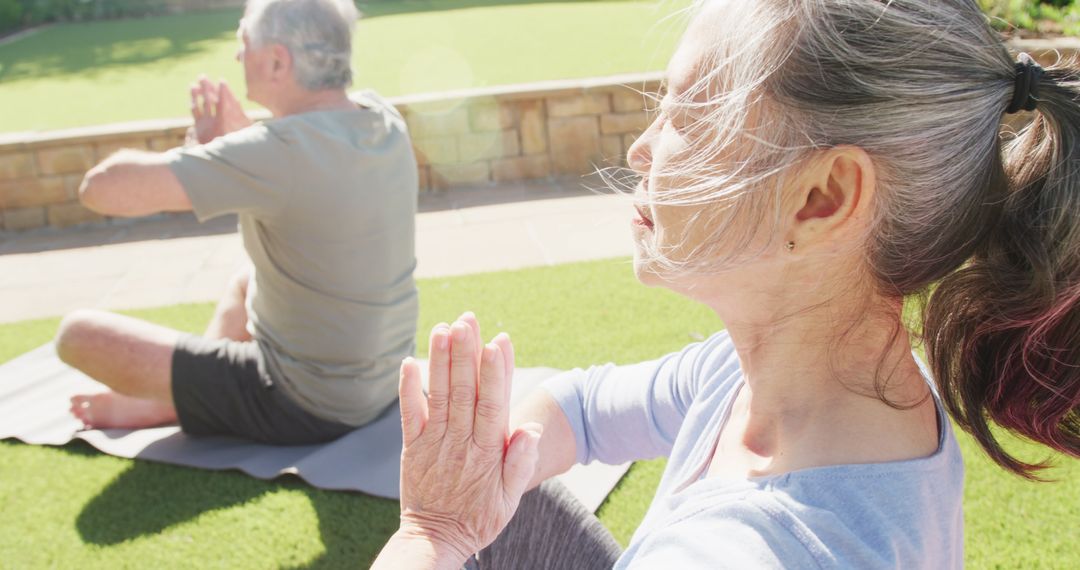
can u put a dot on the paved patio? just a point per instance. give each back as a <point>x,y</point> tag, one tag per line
<point>177,260</point>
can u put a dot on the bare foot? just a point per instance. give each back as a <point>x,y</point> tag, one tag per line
<point>111,410</point>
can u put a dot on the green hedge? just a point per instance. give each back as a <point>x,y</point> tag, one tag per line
<point>1062,15</point>
<point>15,14</point>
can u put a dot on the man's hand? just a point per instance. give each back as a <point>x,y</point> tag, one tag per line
<point>216,111</point>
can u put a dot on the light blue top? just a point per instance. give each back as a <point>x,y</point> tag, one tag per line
<point>902,514</point>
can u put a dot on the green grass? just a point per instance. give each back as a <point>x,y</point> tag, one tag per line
<point>73,507</point>
<point>103,72</point>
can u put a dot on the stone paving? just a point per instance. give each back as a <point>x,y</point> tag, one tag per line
<point>177,260</point>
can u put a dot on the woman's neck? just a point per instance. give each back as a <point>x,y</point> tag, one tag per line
<point>816,367</point>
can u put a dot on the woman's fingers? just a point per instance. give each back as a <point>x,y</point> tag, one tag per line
<point>492,403</point>
<point>463,377</point>
<point>522,455</point>
<point>414,409</point>
<point>469,318</point>
<point>439,378</point>
<point>502,340</point>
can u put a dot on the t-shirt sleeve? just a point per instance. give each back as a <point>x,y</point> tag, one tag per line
<point>627,413</point>
<point>248,171</point>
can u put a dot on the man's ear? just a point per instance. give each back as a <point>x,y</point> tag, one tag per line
<point>281,61</point>
<point>835,188</point>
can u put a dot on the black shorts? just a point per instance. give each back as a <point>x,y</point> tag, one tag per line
<point>221,387</point>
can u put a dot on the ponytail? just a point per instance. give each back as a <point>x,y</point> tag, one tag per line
<point>1003,332</point>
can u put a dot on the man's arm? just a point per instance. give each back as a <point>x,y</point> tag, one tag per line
<point>133,183</point>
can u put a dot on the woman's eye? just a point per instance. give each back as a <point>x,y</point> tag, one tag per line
<point>670,120</point>
<point>677,125</point>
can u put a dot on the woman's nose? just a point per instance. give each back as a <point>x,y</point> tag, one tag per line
<point>639,156</point>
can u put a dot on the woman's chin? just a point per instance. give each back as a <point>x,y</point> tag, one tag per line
<point>646,270</point>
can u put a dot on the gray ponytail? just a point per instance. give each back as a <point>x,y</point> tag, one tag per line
<point>1003,332</point>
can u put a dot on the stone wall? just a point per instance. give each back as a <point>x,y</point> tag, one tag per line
<point>545,130</point>
<point>469,138</point>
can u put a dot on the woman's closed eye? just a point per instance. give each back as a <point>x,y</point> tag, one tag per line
<point>669,124</point>
<point>679,118</point>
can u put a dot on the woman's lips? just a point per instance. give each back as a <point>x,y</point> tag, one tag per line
<point>643,212</point>
<point>643,218</point>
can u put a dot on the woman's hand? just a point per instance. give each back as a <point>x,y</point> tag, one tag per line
<point>462,473</point>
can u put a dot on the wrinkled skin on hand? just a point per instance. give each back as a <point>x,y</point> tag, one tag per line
<point>216,112</point>
<point>462,472</point>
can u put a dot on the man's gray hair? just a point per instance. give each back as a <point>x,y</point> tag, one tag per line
<point>317,33</point>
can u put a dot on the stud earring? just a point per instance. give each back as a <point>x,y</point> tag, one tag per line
<point>790,246</point>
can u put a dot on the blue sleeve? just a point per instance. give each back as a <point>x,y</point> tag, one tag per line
<point>627,413</point>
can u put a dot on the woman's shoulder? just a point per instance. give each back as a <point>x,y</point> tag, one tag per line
<point>763,526</point>
<point>730,529</point>
<point>713,365</point>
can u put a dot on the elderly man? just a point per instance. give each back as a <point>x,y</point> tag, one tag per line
<point>306,343</point>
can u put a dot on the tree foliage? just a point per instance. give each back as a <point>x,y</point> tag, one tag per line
<point>1043,16</point>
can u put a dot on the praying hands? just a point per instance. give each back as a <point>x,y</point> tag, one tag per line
<point>216,111</point>
<point>462,472</point>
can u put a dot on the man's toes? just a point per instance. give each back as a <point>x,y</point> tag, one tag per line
<point>80,408</point>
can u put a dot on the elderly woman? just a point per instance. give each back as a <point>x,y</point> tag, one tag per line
<point>812,164</point>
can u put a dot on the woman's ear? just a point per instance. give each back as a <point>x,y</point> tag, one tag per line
<point>835,189</point>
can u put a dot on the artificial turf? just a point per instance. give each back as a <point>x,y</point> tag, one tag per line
<point>71,506</point>
<point>103,72</point>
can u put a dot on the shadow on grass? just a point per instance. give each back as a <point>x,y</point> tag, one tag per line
<point>90,48</point>
<point>149,498</point>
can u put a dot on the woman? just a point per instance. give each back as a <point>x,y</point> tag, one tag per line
<point>813,163</point>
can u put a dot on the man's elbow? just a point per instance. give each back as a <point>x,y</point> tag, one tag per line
<point>92,190</point>
<point>101,187</point>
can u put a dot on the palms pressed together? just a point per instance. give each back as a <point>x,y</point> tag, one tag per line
<point>215,110</point>
<point>463,472</point>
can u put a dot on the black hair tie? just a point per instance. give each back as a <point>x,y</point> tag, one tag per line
<point>1026,91</point>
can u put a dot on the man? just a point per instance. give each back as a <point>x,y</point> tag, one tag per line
<point>306,343</point>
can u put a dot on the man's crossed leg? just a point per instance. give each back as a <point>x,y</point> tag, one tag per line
<point>134,359</point>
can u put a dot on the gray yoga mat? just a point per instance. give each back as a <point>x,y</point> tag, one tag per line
<point>34,393</point>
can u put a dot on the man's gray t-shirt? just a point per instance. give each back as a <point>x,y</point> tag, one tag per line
<point>327,203</point>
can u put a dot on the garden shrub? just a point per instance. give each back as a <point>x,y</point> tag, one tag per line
<point>15,14</point>
<point>10,15</point>
<point>1033,15</point>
